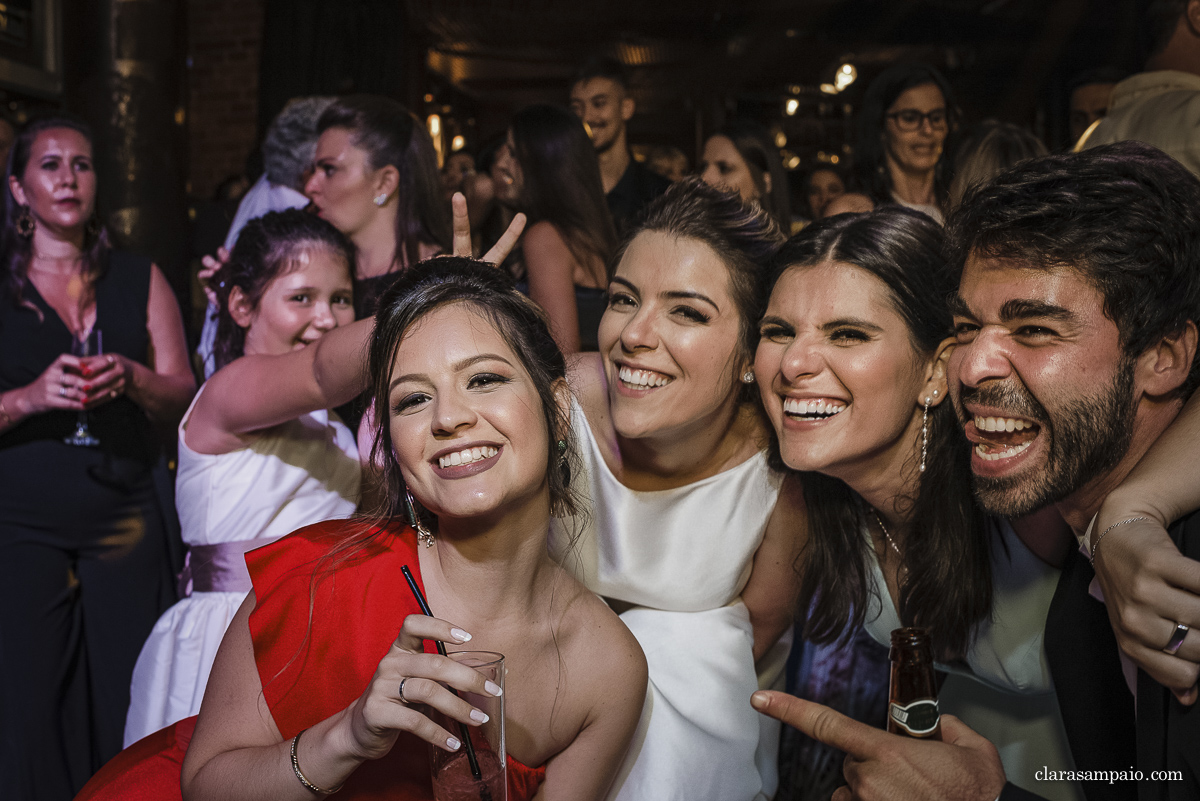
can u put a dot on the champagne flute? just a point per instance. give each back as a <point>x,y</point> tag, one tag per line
<point>91,343</point>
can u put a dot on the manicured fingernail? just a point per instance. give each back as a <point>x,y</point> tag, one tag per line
<point>453,744</point>
<point>478,716</point>
<point>759,700</point>
<point>493,688</point>
<point>87,387</point>
<point>459,635</point>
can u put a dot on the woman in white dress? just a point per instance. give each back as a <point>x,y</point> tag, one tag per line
<point>259,456</point>
<point>852,368</point>
<point>690,535</point>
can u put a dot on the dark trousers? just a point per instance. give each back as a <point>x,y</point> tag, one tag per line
<point>83,578</point>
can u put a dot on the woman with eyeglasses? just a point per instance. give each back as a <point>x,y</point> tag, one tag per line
<point>907,114</point>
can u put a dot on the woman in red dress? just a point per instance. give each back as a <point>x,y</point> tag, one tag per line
<point>472,394</point>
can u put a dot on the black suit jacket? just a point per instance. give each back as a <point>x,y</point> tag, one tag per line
<point>1097,708</point>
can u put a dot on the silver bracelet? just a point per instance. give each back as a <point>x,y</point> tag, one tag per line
<point>1096,544</point>
<point>296,769</point>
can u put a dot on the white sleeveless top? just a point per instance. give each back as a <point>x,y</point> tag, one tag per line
<point>298,473</point>
<point>1005,691</point>
<point>681,557</point>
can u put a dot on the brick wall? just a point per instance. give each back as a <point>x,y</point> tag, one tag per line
<point>224,42</point>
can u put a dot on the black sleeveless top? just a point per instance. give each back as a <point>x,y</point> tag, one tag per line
<point>28,346</point>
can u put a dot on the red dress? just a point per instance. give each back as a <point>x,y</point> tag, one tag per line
<point>319,631</point>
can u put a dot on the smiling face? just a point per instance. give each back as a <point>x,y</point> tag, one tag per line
<point>839,376</point>
<point>58,184</point>
<point>467,424</point>
<point>670,338</point>
<point>507,174</point>
<point>300,306</point>
<point>343,186</point>
<point>1040,383</point>
<point>723,166</point>
<point>604,108</point>
<point>915,151</point>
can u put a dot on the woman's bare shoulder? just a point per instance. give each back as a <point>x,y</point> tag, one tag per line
<point>585,374</point>
<point>596,642</point>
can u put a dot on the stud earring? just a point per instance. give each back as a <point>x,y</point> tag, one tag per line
<point>925,431</point>
<point>935,393</point>
<point>423,534</point>
<point>748,377</point>
<point>381,198</point>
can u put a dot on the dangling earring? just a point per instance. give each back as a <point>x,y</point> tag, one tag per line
<point>748,377</point>
<point>423,534</point>
<point>25,223</point>
<point>925,431</point>
<point>381,198</point>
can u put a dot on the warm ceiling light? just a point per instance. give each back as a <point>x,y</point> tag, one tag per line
<point>435,125</point>
<point>780,139</point>
<point>457,143</point>
<point>845,76</point>
<point>829,89</point>
<point>792,106</point>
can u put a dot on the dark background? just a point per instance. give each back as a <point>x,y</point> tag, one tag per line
<point>180,90</point>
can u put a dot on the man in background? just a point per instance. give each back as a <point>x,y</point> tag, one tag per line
<point>600,97</point>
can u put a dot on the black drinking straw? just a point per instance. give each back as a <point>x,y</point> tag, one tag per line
<point>473,760</point>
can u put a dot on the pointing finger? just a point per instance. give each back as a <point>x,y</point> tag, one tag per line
<point>820,723</point>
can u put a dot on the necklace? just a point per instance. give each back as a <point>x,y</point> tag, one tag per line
<point>886,535</point>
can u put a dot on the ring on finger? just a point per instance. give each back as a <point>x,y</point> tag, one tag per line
<point>1177,638</point>
<point>62,391</point>
<point>403,700</point>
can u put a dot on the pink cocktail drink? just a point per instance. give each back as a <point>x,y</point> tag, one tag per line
<point>453,780</point>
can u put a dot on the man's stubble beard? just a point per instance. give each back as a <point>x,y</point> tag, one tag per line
<point>1088,438</point>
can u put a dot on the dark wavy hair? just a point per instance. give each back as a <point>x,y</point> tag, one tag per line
<point>946,583</point>
<point>18,250</point>
<point>267,248</point>
<point>744,237</point>
<point>562,181</point>
<point>753,144</point>
<point>870,154</point>
<point>390,134</point>
<point>1125,216</point>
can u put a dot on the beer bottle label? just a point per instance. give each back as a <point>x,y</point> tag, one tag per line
<point>919,718</point>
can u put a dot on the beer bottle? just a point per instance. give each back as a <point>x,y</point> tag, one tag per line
<point>912,693</point>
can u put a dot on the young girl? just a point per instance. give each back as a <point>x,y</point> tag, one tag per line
<point>257,458</point>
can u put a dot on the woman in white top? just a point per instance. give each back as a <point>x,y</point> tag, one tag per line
<point>690,536</point>
<point>255,461</point>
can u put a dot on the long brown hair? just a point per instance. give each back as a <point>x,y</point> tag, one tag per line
<point>18,249</point>
<point>390,134</point>
<point>562,181</point>
<point>946,583</point>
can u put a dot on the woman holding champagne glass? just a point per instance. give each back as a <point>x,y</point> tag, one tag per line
<point>83,569</point>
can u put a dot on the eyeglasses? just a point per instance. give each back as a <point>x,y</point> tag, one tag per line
<point>910,119</point>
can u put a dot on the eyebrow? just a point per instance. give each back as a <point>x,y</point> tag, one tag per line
<point>675,294</point>
<point>457,367</point>
<point>1017,309</point>
<point>854,322</point>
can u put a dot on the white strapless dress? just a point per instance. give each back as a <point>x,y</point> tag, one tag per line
<point>301,472</point>
<point>1004,692</point>
<point>681,558</point>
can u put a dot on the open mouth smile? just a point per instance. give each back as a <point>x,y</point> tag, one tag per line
<point>812,408</point>
<point>467,456</point>
<point>998,438</point>
<point>642,379</point>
